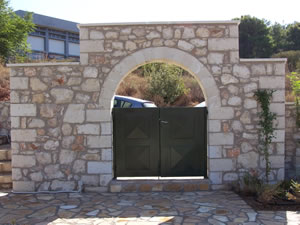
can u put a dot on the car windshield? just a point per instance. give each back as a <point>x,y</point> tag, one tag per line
<point>149,105</point>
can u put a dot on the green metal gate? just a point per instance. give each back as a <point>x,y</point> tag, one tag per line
<point>160,141</point>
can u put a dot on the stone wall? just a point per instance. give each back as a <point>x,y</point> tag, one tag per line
<point>56,128</point>
<point>292,137</point>
<point>61,121</point>
<point>4,118</point>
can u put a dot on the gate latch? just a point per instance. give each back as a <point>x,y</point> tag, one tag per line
<point>164,122</point>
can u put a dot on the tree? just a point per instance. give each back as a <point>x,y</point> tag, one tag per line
<point>13,33</point>
<point>165,81</point>
<point>293,59</point>
<point>293,36</point>
<point>255,39</point>
<point>278,34</point>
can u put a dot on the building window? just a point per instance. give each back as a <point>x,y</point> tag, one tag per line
<point>56,46</point>
<point>74,49</point>
<point>36,43</point>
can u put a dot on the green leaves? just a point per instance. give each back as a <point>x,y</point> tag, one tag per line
<point>259,39</point>
<point>295,83</point>
<point>13,33</point>
<point>254,38</point>
<point>266,118</point>
<point>293,58</point>
<point>279,37</point>
<point>165,81</point>
<point>293,36</point>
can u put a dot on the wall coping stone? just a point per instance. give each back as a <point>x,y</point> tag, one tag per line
<point>290,103</point>
<point>235,22</point>
<point>43,64</point>
<point>264,60</point>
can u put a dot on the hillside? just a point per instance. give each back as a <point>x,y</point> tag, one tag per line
<point>4,83</point>
<point>137,86</point>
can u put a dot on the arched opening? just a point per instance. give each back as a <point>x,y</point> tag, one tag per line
<point>164,54</point>
<point>153,137</point>
<point>164,84</point>
<point>170,55</point>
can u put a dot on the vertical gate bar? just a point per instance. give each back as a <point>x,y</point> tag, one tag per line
<point>204,156</point>
<point>159,140</point>
<point>114,143</point>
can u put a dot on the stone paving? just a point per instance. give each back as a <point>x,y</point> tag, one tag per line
<point>217,208</point>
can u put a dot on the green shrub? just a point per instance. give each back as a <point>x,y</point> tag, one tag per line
<point>283,189</point>
<point>293,58</point>
<point>295,186</point>
<point>295,83</point>
<point>165,81</point>
<point>269,192</point>
<point>251,183</point>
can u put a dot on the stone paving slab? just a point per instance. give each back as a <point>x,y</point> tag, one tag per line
<point>206,207</point>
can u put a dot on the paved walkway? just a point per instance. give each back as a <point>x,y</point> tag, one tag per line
<point>217,208</point>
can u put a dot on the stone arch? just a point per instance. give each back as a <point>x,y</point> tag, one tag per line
<point>161,54</point>
<point>230,119</point>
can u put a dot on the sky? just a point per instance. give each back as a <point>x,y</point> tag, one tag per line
<point>105,11</point>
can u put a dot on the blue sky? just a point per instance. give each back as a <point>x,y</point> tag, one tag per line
<point>103,11</point>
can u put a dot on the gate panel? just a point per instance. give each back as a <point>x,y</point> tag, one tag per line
<point>183,141</point>
<point>136,141</point>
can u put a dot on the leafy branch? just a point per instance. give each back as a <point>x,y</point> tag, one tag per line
<point>266,118</point>
<point>295,83</point>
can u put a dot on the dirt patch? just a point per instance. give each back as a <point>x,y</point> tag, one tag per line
<point>278,205</point>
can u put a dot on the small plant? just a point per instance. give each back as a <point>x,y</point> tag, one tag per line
<point>266,118</point>
<point>268,193</point>
<point>295,187</point>
<point>295,83</point>
<point>284,189</point>
<point>251,184</point>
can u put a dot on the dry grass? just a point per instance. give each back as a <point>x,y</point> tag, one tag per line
<point>4,83</point>
<point>135,85</point>
<point>195,94</point>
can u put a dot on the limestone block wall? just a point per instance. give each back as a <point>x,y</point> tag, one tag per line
<point>56,128</point>
<point>61,113</point>
<point>4,118</point>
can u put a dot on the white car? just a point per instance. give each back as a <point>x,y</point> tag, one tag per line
<point>201,104</point>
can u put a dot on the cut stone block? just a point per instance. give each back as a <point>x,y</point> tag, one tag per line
<point>23,110</point>
<point>75,113</point>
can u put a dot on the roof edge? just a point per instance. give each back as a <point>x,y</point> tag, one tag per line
<point>236,22</point>
<point>43,64</point>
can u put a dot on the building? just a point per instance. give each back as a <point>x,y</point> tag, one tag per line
<point>53,38</point>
